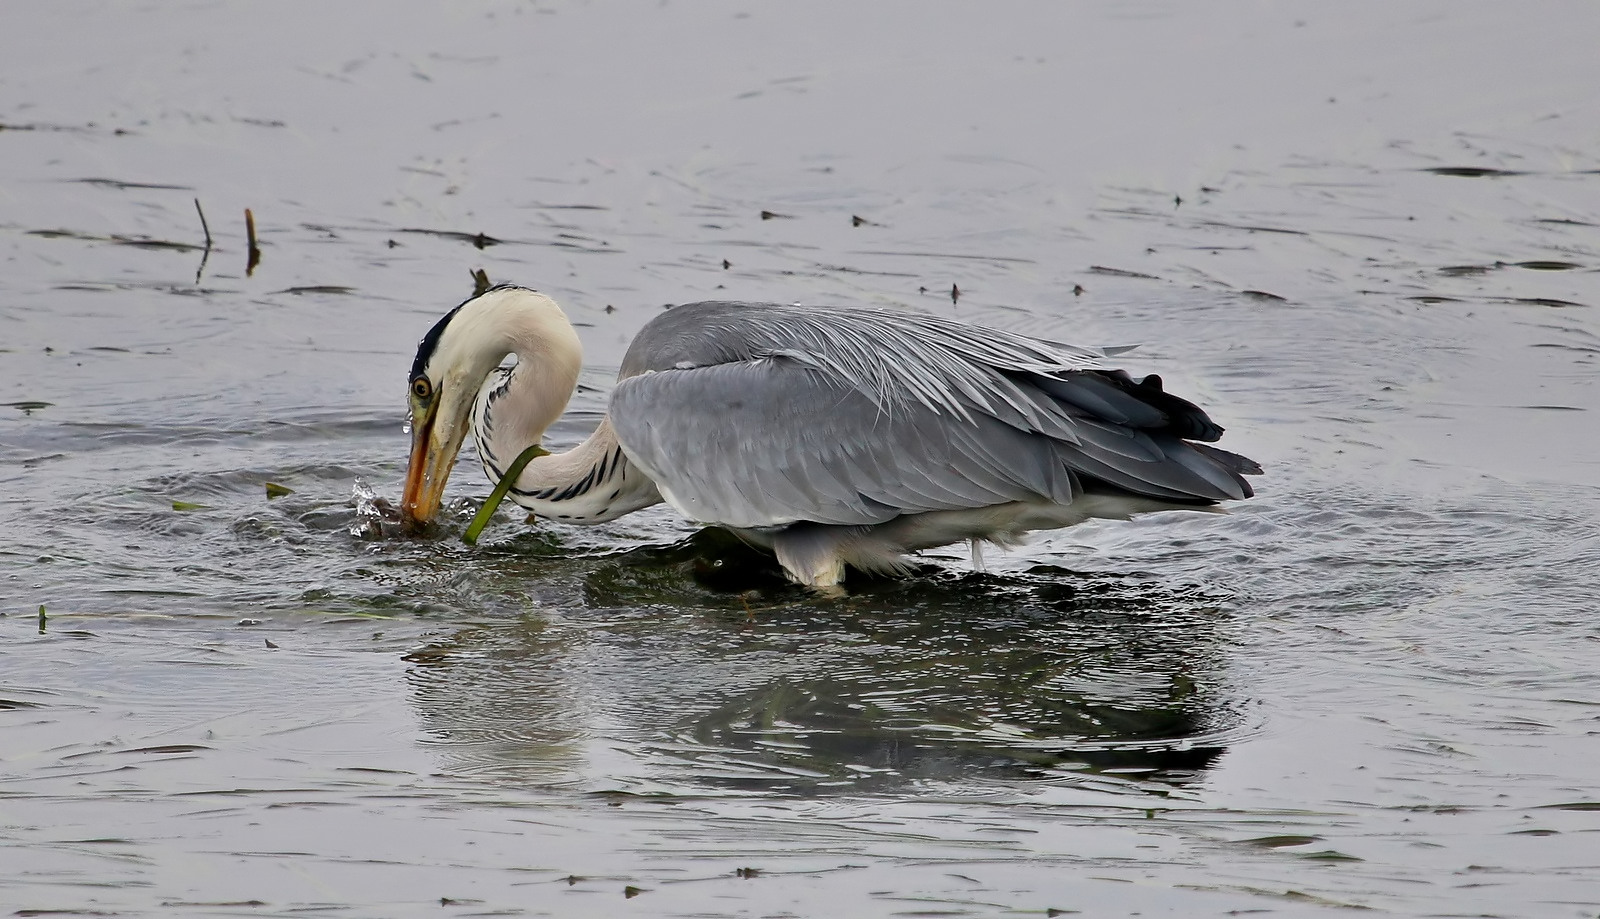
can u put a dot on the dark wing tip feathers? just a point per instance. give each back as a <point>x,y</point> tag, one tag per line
<point>1114,396</point>
<point>1188,469</point>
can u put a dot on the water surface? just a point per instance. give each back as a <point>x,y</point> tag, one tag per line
<point>1367,240</point>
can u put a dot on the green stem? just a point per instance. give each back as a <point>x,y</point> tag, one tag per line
<point>481,519</point>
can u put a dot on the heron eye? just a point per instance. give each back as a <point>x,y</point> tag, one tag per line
<point>421,388</point>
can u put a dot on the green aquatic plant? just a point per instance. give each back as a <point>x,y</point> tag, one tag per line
<point>481,519</point>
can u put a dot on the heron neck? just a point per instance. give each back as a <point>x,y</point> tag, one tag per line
<point>557,471</point>
<point>591,483</point>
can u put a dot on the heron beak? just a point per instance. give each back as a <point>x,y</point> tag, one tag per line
<point>435,443</point>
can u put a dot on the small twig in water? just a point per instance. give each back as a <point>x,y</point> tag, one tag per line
<point>206,254</point>
<point>254,258</point>
<point>480,282</point>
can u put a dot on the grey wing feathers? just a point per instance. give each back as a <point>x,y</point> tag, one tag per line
<point>771,442</point>
<point>898,358</point>
<point>760,415</point>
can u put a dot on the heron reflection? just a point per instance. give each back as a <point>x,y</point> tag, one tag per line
<point>650,679</point>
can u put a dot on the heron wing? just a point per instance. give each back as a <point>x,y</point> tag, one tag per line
<point>771,441</point>
<point>785,438</point>
<point>897,358</point>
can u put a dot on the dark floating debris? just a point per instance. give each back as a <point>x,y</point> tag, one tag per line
<point>169,748</point>
<point>138,242</point>
<point>47,127</point>
<point>1542,301</point>
<point>726,264</point>
<point>1078,290</point>
<point>1264,295</point>
<point>317,289</point>
<point>955,294</point>
<point>774,215</point>
<point>1513,301</point>
<point>1472,172</point>
<point>66,234</point>
<point>145,242</point>
<point>1547,265</point>
<point>1252,228</point>
<point>1330,855</point>
<point>28,406</point>
<point>947,255</point>
<point>124,186</point>
<point>1531,265</point>
<point>1278,842</point>
<point>477,240</point>
<point>1121,273</point>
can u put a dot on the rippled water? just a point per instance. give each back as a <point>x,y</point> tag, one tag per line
<point>1367,239</point>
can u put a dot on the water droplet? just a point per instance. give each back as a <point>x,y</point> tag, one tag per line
<point>369,513</point>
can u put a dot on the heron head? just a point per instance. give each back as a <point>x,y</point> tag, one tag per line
<point>454,359</point>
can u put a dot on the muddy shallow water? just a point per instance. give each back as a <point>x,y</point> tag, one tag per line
<point>1368,240</point>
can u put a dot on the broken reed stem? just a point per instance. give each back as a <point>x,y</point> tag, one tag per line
<point>203,225</point>
<point>207,253</point>
<point>254,257</point>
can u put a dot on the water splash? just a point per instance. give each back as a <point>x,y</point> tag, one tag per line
<point>373,512</point>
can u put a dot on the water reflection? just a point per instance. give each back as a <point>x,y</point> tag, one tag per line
<point>691,667</point>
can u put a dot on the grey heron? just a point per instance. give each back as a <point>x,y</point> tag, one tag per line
<point>833,437</point>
